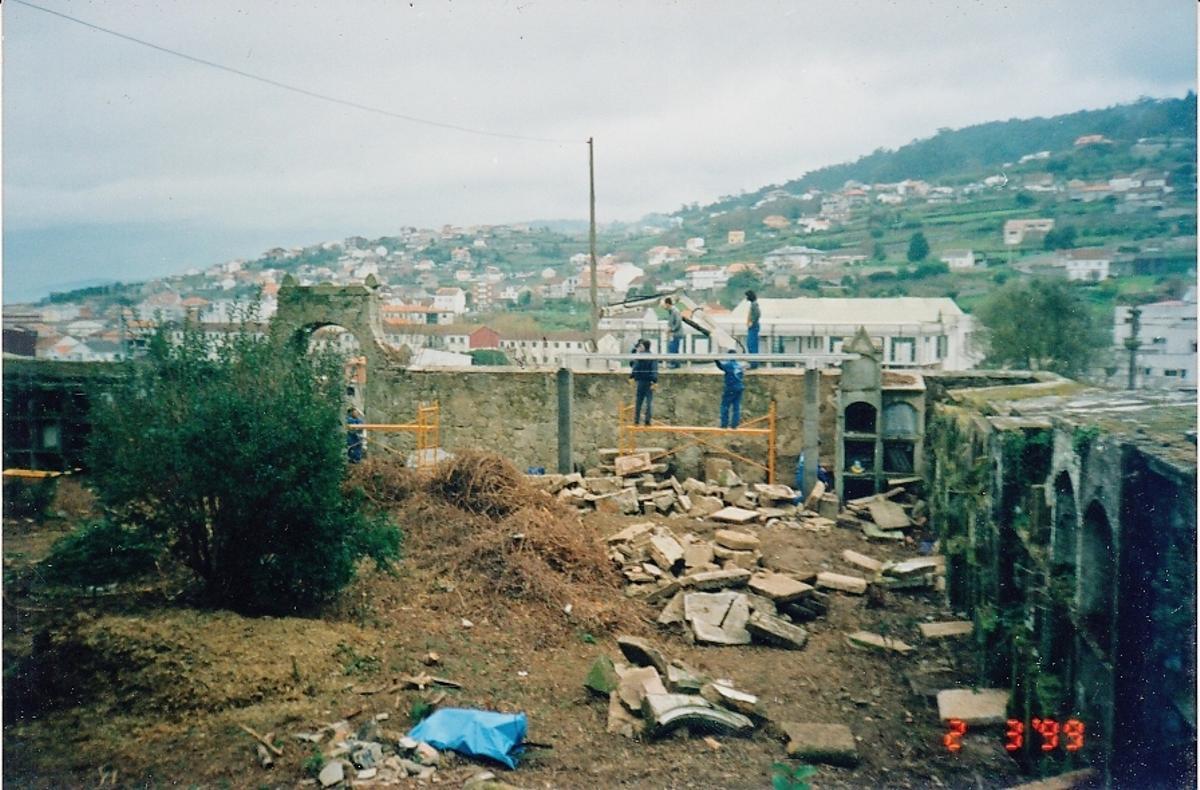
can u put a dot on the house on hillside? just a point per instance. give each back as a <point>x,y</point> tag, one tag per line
<point>1091,139</point>
<point>958,259</point>
<point>736,237</point>
<point>704,278</point>
<point>909,331</point>
<point>792,257</point>
<point>450,300</point>
<point>1086,265</point>
<point>1016,231</point>
<point>1166,358</point>
<point>776,221</point>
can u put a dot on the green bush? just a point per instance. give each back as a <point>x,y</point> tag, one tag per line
<point>234,452</point>
<point>488,356</point>
<point>29,498</point>
<point>99,554</point>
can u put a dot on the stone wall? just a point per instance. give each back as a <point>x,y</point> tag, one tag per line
<point>515,412</point>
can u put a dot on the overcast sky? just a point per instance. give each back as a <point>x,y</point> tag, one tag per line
<point>125,162</point>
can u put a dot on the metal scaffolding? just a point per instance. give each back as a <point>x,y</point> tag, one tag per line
<point>426,430</point>
<point>698,436</point>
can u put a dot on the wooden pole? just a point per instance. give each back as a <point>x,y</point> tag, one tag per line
<point>592,245</point>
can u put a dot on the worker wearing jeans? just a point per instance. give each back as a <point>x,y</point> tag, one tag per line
<point>674,328</point>
<point>731,397</point>
<point>645,373</point>
<point>752,325</point>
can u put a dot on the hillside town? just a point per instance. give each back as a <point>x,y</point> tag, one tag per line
<point>452,292</point>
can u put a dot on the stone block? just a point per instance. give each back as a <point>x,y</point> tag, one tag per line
<point>777,587</point>
<point>666,712</point>
<point>705,506</point>
<point>832,744</point>
<point>696,555</point>
<point>836,581</point>
<point>978,708</point>
<point>602,677</point>
<point>913,567</point>
<point>827,507</point>
<point>627,501</point>
<point>685,503</point>
<point>716,580</point>
<point>694,486</point>
<point>631,533</point>
<point>665,500</point>
<point>673,612</point>
<point>733,494</point>
<point>607,503</point>
<point>731,698</point>
<point>735,515</point>
<point>888,515</point>
<point>602,485</point>
<point>862,560</point>
<point>873,532</point>
<point>621,721</point>
<point>631,464</point>
<point>640,652</point>
<point>947,629</point>
<point>774,493</point>
<point>682,679</point>
<point>666,551</point>
<point>877,642</point>
<point>637,683</point>
<point>736,540</point>
<point>814,496</point>
<point>776,631</point>
<point>718,618</point>
<point>714,466</point>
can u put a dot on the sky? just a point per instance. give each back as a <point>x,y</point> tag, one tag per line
<point>123,162</point>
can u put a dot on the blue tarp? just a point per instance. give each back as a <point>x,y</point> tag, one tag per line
<point>476,733</point>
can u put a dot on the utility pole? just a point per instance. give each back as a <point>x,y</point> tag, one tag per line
<point>592,246</point>
<point>1133,343</point>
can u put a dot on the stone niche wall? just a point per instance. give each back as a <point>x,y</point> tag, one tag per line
<point>515,412</point>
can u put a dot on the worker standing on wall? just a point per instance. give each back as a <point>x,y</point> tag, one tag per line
<point>731,397</point>
<point>645,373</point>
<point>674,328</point>
<point>354,439</point>
<point>752,325</point>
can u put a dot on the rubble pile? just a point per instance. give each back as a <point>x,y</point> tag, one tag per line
<point>369,753</point>
<point>650,696</point>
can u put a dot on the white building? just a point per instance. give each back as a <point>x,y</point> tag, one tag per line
<point>1166,358</point>
<point>695,246</point>
<point>1087,265</point>
<point>1015,230</point>
<point>792,258</point>
<point>450,300</point>
<point>910,331</point>
<point>959,259</point>
<point>703,278</point>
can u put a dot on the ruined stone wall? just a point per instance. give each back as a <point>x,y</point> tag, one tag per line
<point>515,412</point>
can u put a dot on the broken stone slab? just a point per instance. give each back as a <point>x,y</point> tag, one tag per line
<point>572,497</point>
<point>913,567</point>
<point>632,464</point>
<point>716,580</point>
<point>626,499</point>
<point>640,652</point>
<point>602,677</point>
<point>729,697</point>
<point>776,631</point>
<point>923,582</point>
<point>760,604</point>
<point>729,479</point>
<point>747,560</point>
<point>862,561</point>
<point>888,515</point>
<point>814,496</point>
<point>854,585</point>
<point>777,587</point>
<point>673,612</point>
<point>832,744</point>
<point>636,683</point>
<point>775,493</point>
<point>873,532</point>
<point>683,679</point>
<point>551,484</point>
<point>705,506</point>
<point>696,555</point>
<point>621,721</point>
<point>665,712</point>
<point>685,503</point>
<point>632,532</point>
<point>735,515</point>
<point>878,642</point>
<point>666,551</point>
<point>604,503</point>
<point>665,500</point>
<point>946,629</point>
<point>1071,780</point>
<point>768,513</point>
<point>977,708</point>
<point>333,773</point>
<point>693,486</point>
<point>734,495</point>
<point>736,540</point>
<point>718,618</point>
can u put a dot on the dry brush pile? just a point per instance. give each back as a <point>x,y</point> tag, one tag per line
<point>502,544</point>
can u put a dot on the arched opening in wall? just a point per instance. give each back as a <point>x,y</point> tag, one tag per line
<point>1096,579</point>
<point>345,346</point>
<point>860,418</point>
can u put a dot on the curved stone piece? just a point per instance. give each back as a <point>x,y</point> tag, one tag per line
<point>666,712</point>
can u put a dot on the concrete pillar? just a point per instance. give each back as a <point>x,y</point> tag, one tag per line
<point>566,388</point>
<point>812,427</point>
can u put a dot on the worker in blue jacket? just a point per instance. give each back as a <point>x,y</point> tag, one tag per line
<point>731,398</point>
<point>645,373</point>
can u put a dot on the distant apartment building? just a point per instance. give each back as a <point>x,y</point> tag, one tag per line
<point>661,254</point>
<point>547,348</point>
<point>792,257</point>
<point>1016,231</point>
<point>703,278</point>
<point>736,237</point>
<point>1166,358</point>
<point>450,300</point>
<point>909,331</point>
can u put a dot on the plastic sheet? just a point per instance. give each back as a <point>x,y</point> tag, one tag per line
<point>475,733</point>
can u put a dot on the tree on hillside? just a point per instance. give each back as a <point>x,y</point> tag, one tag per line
<point>1060,238</point>
<point>1040,325</point>
<point>234,453</point>
<point>918,247</point>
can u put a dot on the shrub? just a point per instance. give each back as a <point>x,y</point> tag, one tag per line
<point>101,553</point>
<point>234,452</point>
<point>29,498</point>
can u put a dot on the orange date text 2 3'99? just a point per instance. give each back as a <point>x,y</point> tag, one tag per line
<point>1068,735</point>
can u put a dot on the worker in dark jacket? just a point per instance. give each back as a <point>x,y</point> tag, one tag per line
<point>731,398</point>
<point>645,373</point>
<point>355,440</point>
<point>753,317</point>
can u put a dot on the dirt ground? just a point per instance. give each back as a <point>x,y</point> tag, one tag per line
<point>133,687</point>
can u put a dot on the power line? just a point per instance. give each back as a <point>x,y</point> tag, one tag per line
<point>294,88</point>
